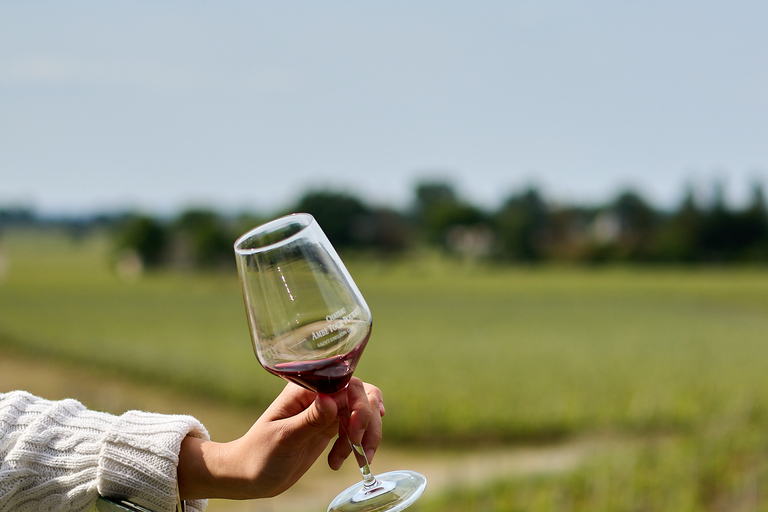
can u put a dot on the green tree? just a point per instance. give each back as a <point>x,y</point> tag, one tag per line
<point>438,210</point>
<point>339,214</point>
<point>755,225</point>
<point>385,231</point>
<point>638,223</point>
<point>678,239</point>
<point>202,240</point>
<point>727,235</point>
<point>145,236</point>
<point>521,226</point>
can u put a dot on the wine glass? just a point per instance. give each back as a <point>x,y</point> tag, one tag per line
<point>309,325</point>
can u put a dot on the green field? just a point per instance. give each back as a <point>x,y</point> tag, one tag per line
<point>466,355</point>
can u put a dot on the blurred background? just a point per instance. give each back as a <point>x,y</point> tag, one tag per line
<point>556,212</point>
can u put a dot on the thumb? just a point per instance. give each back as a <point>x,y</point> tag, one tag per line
<point>321,414</point>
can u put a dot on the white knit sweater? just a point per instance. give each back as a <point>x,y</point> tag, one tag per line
<point>60,456</point>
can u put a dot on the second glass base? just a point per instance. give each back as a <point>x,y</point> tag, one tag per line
<point>395,491</point>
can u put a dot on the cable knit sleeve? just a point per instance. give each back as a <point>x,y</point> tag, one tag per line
<point>59,456</point>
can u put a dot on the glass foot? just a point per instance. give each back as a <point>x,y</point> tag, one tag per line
<point>392,492</point>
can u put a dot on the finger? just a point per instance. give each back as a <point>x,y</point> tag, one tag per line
<point>323,414</point>
<point>319,421</point>
<point>359,410</point>
<point>374,432</point>
<point>382,410</point>
<point>339,452</point>
<point>292,400</point>
<point>375,397</point>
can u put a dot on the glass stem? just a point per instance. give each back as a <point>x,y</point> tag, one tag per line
<point>357,449</point>
<point>362,461</point>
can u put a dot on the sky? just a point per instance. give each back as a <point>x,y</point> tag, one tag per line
<point>247,105</point>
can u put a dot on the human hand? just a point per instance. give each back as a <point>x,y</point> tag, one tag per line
<point>282,445</point>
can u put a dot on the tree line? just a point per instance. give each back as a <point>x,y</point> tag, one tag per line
<point>526,228</point>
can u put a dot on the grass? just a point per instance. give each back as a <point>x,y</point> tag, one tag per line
<point>547,352</point>
<point>721,467</point>
<point>466,355</point>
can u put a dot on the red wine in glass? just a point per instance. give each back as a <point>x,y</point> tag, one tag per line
<point>326,376</point>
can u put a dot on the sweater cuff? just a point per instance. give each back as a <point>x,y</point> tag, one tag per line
<point>139,457</point>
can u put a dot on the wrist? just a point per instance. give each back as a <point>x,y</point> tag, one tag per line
<point>197,469</point>
<point>214,470</point>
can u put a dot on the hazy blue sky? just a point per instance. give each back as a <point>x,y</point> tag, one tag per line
<point>245,105</point>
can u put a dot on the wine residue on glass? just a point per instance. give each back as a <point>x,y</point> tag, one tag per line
<point>335,361</point>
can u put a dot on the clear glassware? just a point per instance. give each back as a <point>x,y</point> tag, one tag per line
<point>309,324</point>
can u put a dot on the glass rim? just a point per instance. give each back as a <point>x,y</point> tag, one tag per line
<point>303,219</point>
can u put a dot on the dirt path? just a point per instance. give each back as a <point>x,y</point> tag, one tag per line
<point>443,469</point>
